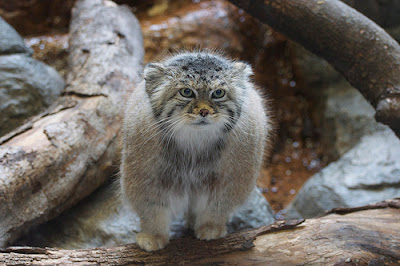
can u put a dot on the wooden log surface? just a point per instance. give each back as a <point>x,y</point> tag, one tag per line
<point>367,56</point>
<point>361,236</point>
<point>64,154</point>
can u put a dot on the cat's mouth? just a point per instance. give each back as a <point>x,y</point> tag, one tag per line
<point>202,123</point>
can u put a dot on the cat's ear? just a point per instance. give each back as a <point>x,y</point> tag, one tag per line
<point>242,70</point>
<point>153,71</point>
<point>154,74</point>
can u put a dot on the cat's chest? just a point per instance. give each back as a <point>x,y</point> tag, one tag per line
<point>193,160</point>
<point>192,166</point>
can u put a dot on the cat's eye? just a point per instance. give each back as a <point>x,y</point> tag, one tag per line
<point>188,93</point>
<point>218,94</point>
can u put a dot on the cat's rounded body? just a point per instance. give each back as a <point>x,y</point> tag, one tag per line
<point>194,135</point>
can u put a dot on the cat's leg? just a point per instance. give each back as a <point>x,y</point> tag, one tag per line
<point>190,218</point>
<point>155,221</point>
<point>211,217</point>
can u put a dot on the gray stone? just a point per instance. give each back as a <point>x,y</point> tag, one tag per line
<point>10,41</point>
<point>102,220</point>
<point>26,87</point>
<point>346,117</point>
<point>99,220</point>
<point>368,173</point>
<point>254,213</point>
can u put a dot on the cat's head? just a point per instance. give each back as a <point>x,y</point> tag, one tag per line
<point>197,91</point>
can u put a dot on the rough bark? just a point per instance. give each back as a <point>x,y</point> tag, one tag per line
<point>64,154</point>
<point>358,48</point>
<point>370,235</point>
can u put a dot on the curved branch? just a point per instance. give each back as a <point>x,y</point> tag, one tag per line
<point>360,50</point>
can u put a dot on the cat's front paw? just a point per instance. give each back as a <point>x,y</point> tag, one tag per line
<point>150,242</point>
<point>210,231</point>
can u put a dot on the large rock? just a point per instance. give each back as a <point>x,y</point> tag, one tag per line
<point>102,220</point>
<point>346,117</point>
<point>254,213</point>
<point>368,173</point>
<point>10,41</point>
<point>369,167</point>
<point>26,87</point>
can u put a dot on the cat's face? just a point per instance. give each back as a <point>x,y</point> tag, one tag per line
<point>197,93</point>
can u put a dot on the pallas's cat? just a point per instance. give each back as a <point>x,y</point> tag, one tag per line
<point>193,140</point>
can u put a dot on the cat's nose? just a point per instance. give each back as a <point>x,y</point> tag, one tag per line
<point>204,112</point>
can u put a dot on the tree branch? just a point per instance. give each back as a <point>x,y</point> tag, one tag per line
<point>360,50</point>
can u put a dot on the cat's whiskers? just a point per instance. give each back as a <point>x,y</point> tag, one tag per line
<point>242,126</point>
<point>156,128</point>
<point>174,129</point>
<point>167,126</point>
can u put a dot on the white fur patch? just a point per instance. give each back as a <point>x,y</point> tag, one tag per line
<point>196,137</point>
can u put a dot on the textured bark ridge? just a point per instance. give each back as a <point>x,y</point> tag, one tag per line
<point>62,155</point>
<point>364,53</point>
<point>370,234</point>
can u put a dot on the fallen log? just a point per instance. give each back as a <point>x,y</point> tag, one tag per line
<point>360,50</point>
<point>64,154</point>
<point>369,235</point>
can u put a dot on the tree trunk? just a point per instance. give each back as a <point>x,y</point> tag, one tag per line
<point>61,156</point>
<point>370,234</point>
<point>360,50</point>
